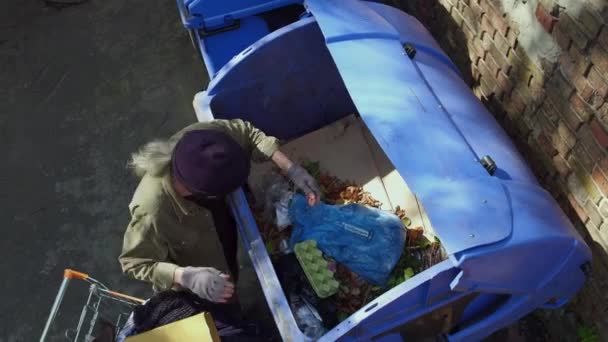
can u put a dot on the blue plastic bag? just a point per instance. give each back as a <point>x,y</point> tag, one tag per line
<point>366,240</point>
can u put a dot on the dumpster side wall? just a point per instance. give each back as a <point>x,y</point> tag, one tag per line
<point>541,68</point>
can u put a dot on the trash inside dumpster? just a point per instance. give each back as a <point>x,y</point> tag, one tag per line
<point>360,187</point>
<point>363,90</point>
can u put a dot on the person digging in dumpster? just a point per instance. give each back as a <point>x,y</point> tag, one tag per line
<point>182,233</point>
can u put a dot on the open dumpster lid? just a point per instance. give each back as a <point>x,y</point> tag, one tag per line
<point>467,206</point>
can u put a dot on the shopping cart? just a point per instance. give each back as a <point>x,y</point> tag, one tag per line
<point>99,298</point>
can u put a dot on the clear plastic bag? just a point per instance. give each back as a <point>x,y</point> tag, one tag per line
<point>278,198</point>
<point>307,317</point>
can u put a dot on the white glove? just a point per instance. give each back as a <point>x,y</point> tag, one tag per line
<point>305,182</point>
<point>207,283</point>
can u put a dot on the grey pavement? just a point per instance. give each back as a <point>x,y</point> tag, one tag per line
<point>81,88</point>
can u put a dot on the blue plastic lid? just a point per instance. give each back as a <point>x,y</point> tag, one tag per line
<point>467,206</point>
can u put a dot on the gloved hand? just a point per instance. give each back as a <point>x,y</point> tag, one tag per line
<point>305,182</point>
<point>207,283</point>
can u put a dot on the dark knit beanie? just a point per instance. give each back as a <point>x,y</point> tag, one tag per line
<point>210,163</point>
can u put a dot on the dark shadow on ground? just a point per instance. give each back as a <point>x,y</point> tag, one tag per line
<point>82,87</point>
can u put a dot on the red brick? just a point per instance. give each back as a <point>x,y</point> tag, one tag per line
<point>561,166</point>
<point>486,40</point>
<point>603,110</point>
<point>503,83</point>
<point>511,36</point>
<point>562,39</point>
<point>588,93</point>
<point>546,146</point>
<point>582,108</point>
<point>502,44</point>
<point>602,39</point>
<point>519,58</point>
<point>566,134</point>
<point>568,25</point>
<point>487,84</point>
<point>475,48</point>
<point>562,149</point>
<point>593,213</point>
<point>603,165</point>
<point>487,26</point>
<point>545,18</point>
<point>502,61</point>
<point>516,102</point>
<point>573,65</point>
<point>520,76</point>
<point>484,69</point>
<point>531,96</point>
<point>469,32</point>
<point>599,58</point>
<point>587,138</point>
<point>583,87</point>
<point>551,109</point>
<point>584,177</point>
<point>492,65</point>
<point>495,5</point>
<point>571,120</point>
<point>547,117</point>
<point>458,18</point>
<point>476,8</point>
<point>589,22</point>
<point>581,62</point>
<point>600,180</point>
<point>494,13</point>
<point>469,17</point>
<point>582,157</point>
<point>578,209</point>
<point>532,122</point>
<point>603,113</point>
<point>500,23</point>
<point>566,65</point>
<point>599,133</point>
<point>600,85</point>
<point>559,86</point>
<point>604,208</point>
<point>584,185</point>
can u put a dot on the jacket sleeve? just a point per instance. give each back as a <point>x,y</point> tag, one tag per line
<point>262,147</point>
<point>144,254</point>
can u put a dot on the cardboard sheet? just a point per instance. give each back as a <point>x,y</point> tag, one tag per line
<point>199,328</point>
<point>348,151</point>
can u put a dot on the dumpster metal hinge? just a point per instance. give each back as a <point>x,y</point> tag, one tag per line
<point>489,164</point>
<point>410,50</point>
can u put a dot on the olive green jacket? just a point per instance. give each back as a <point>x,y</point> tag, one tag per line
<point>167,231</point>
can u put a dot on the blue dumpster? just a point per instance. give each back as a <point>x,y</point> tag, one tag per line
<point>292,67</point>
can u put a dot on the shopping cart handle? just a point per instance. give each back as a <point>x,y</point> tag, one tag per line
<point>71,274</point>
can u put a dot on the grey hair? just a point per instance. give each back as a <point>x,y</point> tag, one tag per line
<point>153,158</point>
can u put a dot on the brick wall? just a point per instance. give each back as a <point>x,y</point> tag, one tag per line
<point>552,103</point>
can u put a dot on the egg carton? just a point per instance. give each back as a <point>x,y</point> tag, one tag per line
<point>316,268</point>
